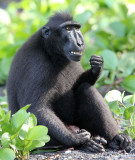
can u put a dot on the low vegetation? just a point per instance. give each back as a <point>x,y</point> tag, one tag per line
<point>20,134</point>
<point>123,110</point>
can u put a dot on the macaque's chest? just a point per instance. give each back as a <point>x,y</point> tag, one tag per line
<point>65,102</point>
<point>68,76</point>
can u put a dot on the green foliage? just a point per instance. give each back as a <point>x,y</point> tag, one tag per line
<point>3,102</point>
<point>6,153</point>
<point>20,134</point>
<point>123,109</point>
<point>118,72</point>
<point>107,26</point>
<point>110,60</point>
<point>129,83</point>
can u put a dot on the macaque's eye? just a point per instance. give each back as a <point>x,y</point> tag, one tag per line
<point>77,28</point>
<point>68,28</point>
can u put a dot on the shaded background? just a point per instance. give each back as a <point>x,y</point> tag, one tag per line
<point>108,27</point>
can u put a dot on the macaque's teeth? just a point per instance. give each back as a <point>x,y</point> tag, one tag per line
<point>72,52</point>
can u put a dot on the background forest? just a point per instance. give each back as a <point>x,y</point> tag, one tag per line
<point>107,26</point>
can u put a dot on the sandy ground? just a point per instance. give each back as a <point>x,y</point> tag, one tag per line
<point>71,154</point>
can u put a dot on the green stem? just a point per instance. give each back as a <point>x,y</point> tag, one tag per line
<point>131,120</point>
<point>119,119</point>
<point>121,104</point>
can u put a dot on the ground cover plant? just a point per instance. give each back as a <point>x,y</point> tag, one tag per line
<point>20,134</point>
<point>123,110</point>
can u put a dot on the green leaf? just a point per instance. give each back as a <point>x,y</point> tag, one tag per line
<point>18,119</point>
<point>5,65</point>
<point>129,83</point>
<point>32,120</point>
<point>17,144</point>
<point>23,132</point>
<point>126,64</point>
<point>109,3</point>
<point>110,59</point>
<point>4,17</point>
<point>114,107</point>
<point>117,28</point>
<point>7,154</point>
<point>37,133</point>
<point>2,114</point>
<point>83,17</point>
<point>5,140</point>
<point>127,114</point>
<point>131,109</point>
<point>126,131</point>
<point>110,78</point>
<point>26,107</point>
<point>127,100</point>
<point>122,95</point>
<point>33,145</point>
<point>132,100</point>
<point>134,119</point>
<point>113,95</point>
<point>7,117</point>
<point>6,127</point>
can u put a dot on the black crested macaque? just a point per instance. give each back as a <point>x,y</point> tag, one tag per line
<point>47,74</point>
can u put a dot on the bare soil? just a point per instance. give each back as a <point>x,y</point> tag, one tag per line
<point>71,154</point>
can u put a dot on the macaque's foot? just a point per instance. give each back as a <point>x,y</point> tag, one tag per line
<point>73,129</point>
<point>121,141</point>
<point>92,146</point>
<point>99,140</point>
<point>96,145</point>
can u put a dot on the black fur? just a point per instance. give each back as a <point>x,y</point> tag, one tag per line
<point>48,75</point>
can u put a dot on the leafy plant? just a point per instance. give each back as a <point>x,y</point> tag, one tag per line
<point>20,134</point>
<point>118,72</point>
<point>123,109</point>
<point>3,101</point>
<point>6,153</point>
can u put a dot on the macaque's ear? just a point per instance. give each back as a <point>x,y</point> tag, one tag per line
<point>46,32</point>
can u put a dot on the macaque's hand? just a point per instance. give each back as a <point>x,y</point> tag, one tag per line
<point>96,63</point>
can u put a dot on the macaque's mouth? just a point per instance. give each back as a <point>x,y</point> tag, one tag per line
<point>75,53</point>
